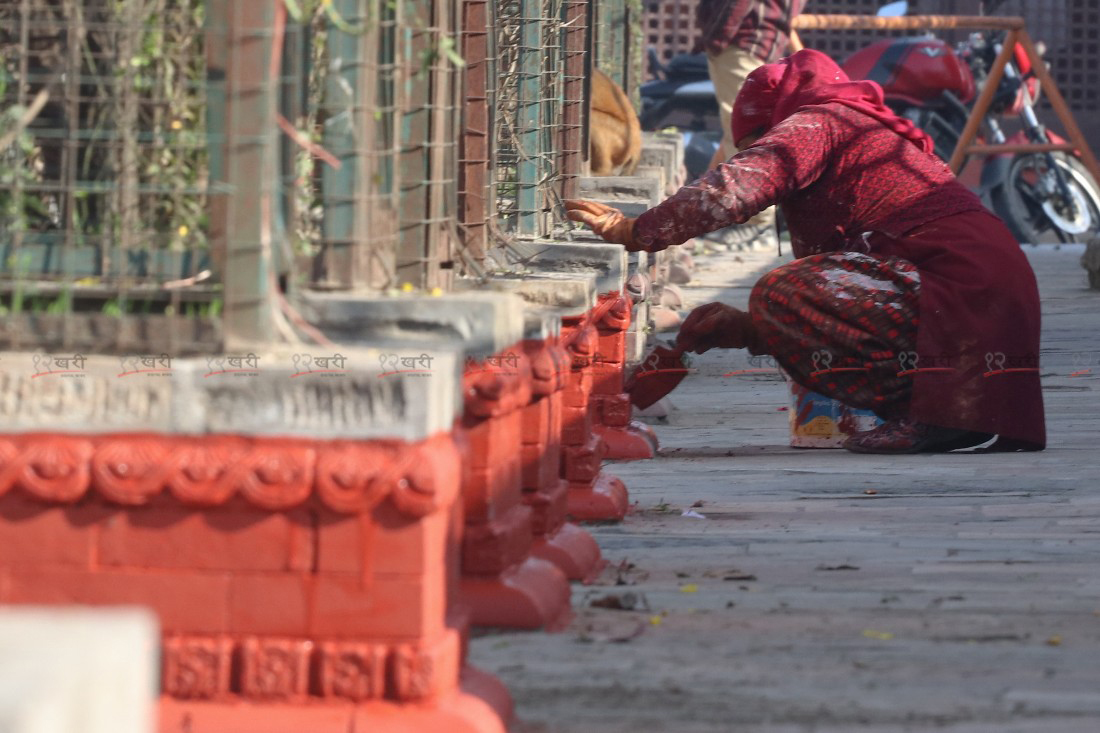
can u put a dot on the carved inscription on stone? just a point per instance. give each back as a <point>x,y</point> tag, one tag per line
<point>344,405</point>
<point>92,402</point>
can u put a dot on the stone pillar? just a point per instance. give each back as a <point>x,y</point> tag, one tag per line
<point>545,491</point>
<point>59,666</point>
<point>502,582</point>
<point>593,493</point>
<point>292,519</point>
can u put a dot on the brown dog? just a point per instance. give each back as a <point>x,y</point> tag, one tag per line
<point>615,137</point>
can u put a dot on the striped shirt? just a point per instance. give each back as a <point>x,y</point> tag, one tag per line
<point>761,27</point>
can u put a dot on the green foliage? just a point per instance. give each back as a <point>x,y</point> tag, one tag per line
<point>63,304</point>
<point>304,11</point>
<point>141,176</point>
<point>17,168</point>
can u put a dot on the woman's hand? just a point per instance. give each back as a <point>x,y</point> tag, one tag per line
<point>611,224</point>
<point>715,325</point>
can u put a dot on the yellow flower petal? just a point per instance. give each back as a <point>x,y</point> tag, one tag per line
<point>880,635</point>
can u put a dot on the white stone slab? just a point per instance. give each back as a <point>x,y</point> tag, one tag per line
<point>78,670</point>
<point>387,391</point>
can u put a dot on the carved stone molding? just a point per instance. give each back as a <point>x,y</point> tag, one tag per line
<point>274,474</point>
<point>279,669</point>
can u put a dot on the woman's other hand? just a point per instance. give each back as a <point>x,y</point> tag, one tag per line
<point>715,325</point>
<point>611,224</point>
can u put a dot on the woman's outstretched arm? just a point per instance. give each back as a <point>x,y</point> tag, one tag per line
<point>789,157</point>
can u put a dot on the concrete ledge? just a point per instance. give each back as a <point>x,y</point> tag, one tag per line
<point>629,189</point>
<point>662,154</point>
<point>607,262</point>
<point>673,139</point>
<point>657,173</point>
<point>569,292</point>
<point>482,323</point>
<point>542,323</point>
<point>390,391</point>
<point>64,670</point>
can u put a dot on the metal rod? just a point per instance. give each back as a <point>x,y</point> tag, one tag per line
<point>981,107</point>
<point>1019,148</point>
<point>907,23</point>
<point>529,119</point>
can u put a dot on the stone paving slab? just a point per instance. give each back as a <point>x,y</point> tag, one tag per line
<point>975,607</point>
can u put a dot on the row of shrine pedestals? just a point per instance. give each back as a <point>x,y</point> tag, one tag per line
<point>316,545</point>
<point>316,584</point>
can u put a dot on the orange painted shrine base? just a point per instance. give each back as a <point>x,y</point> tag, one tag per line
<point>480,705</point>
<point>531,595</point>
<point>635,442</point>
<point>605,499</point>
<point>573,550</point>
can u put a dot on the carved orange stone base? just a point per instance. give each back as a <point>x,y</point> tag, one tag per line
<point>573,550</point>
<point>479,705</point>
<point>531,595</point>
<point>502,583</point>
<point>564,544</point>
<point>604,499</point>
<point>594,495</point>
<point>626,440</point>
<point>636,441</point>
<point>314,581</point>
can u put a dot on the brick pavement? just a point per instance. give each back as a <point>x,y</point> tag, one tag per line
<point>962,595</point>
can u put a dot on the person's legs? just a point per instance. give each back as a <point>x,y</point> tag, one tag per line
<point>837,324</point>
<point>845,325</point>
<point>728,71</point>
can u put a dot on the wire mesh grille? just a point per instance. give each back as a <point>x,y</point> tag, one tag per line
<point>147,145</point>
<point>475,189</point>
<point>574,112</point>
<point>383,94</point>
<point>529,106</point>
<point>104,165</point>
<point>1076,61</point>
<point>670,27</point>
<point>1069,28</point>
<point>842,44</point>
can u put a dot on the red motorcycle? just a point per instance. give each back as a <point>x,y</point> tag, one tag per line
<point>935,86</point>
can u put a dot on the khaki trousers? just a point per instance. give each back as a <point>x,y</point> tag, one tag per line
<point>728,71</point>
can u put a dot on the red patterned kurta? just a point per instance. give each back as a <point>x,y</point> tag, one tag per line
<point>847,183</point>
<point>760,27</point>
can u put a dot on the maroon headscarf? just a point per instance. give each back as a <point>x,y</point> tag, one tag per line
<point>774,92</point>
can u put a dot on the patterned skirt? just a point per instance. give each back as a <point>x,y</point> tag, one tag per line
<point>843,325</point>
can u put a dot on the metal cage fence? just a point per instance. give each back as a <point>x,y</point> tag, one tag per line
<point>172,171</point>
<point>525,169</point>
<point>104,164</point>
<point>382,94</point>
<point>539,91</point>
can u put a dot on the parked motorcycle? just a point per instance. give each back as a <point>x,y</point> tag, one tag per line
<point>935,86</point>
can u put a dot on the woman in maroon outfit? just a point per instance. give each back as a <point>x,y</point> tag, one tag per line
<point>907,297</point>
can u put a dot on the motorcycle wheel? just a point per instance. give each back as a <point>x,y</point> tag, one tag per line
<point>1031,215</point>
